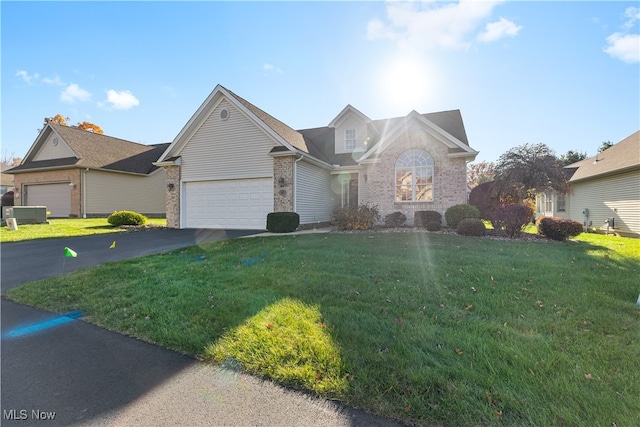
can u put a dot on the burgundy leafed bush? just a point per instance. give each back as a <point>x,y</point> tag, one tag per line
<point>422,218</point>
<point>510,220</point>
<point>558,228</point>
<point>395,219</point>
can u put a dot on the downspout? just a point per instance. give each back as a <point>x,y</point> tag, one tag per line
<point>84,193</point>
<point>295,182</point>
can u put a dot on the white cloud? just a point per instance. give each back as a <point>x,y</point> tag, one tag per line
<point>633,13</point>
<point>625,47</point>
<point>435,24</point>
<point>270,67</point>
<point>622,45</point>
<point>26,76</point>
<point>53,81</point>
<point>122,100</point>
<point>497,30</point>
<point>74,93</point>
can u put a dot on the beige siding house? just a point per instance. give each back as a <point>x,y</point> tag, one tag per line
<point>607,186</point>
<point>75,173</point>
<point>233,163</point>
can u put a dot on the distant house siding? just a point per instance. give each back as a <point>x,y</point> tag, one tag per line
<point>615,196</point>
<point>107,192</point>
<point>314,199</point>
<point>234,148</point>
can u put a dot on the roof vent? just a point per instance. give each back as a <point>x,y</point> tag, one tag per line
<point>224,114</point>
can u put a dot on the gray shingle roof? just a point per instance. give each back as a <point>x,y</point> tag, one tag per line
<point>97,151</point>
<point>321,141</point>
<point>624,155</point>
<point>290,135</point>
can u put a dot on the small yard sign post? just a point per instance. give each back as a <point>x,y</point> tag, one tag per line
<point>12,224</point>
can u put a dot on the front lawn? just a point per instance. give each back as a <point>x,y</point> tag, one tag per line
<point>431,329</point>
<point>65,228</point>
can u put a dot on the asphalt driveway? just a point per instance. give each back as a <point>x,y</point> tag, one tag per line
<point>79,374</point>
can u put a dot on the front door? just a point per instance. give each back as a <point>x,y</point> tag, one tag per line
<point>350,193</point>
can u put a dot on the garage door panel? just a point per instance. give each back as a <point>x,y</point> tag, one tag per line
<point>56,197</point>
<point>239,204</point>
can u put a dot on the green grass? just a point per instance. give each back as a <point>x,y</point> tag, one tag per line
<point>65,228</point>
<point>431,329</point>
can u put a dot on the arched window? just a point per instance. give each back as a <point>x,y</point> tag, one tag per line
<point>414,177</point>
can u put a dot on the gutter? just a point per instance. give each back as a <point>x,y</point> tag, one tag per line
<point>84,193</point>
<point>295,182</point>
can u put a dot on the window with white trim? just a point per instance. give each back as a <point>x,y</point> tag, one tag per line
<point>562,203</point>
<point>414,176</point>
<point>350,139</point>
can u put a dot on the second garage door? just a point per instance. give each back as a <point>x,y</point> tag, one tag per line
<point>56,197</point>
<point>231,204</point>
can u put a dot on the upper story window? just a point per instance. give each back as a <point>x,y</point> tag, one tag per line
<point>350,139</point>
<point>414,176</point>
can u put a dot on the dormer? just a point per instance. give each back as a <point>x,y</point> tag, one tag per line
<point>353,131</point>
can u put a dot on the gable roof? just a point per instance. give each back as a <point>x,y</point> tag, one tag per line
<point>343,114</point>
<point>451,120</point>
<point>319,143</point>
<point>93,151</point>
<point>620,157</point>
<point>288,137</point>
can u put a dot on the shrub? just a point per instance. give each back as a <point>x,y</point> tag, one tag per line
<point>558,228</point>
<point>7,198</point>
<point>457,213</point>
<point>361,218</point>
<point>396,219</point>
<point>510,220</point>
<point>422,218</point>
<point>485,197</point>
<point>434,225</point>
<point>282,222</point>
<point>126,218</point>
<point>471,227</point>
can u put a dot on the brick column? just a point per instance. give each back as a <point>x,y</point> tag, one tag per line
<point>283,183</point>
<point>173,196</point>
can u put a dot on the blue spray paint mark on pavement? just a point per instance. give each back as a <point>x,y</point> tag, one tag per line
<point>37,327</point>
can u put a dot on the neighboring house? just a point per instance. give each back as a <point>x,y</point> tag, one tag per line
<point>602,187</point>
<point>75,173</point>
<point>6,180</point>
<point>233,163</point>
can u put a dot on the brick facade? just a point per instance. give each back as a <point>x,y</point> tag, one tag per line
<point>173,196</point>
<point>449,179</point>
<point>51,177</point>
<point>283,183</point>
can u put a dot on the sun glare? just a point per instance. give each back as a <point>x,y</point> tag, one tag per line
<point>405,83</point>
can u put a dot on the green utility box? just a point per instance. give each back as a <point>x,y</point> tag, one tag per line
<point>27,214</point>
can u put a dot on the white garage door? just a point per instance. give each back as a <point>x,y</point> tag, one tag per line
<point>232,204</point>
<point>56,197</point>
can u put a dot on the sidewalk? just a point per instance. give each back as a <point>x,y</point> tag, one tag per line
<point>205,395</point>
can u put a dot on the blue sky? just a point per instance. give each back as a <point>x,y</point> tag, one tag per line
<point>566,74</point>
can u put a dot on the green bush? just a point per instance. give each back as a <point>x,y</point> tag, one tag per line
<point>558,228</point>
<point>471,227</point>
<point>422,218</point>
<point>434,225</point>
<point>510,220</point>
<point>126,218</point>
<point>282,222</point>
<point>361,218</point>
<point>396,219</point>
<point>457,213</point>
